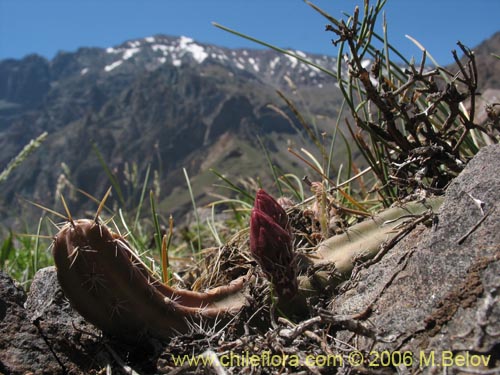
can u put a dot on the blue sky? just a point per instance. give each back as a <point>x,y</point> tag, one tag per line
<point>48,26</point>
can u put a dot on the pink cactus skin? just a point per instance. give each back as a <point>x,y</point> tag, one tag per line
<point>110,287</point>
<point>271,244</point>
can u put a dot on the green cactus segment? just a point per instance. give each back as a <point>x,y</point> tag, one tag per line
<point>361,241</point>
<point>110,287</point>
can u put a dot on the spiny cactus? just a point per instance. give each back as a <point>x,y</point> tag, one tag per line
<point>110,287</point>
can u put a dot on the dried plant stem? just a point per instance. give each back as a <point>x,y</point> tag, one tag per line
<point>25,152</point>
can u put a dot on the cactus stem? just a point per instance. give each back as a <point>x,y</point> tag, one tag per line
<point>110,286</point>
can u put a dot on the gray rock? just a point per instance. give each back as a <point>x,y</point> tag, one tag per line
<point>437,291</point>
<point>22,348</point>
<point>73,341</point>
<point>41,334</point>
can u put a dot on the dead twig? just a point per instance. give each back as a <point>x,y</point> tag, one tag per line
<point>462,239</point>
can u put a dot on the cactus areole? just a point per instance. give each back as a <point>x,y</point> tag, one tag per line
<point>109,286</point>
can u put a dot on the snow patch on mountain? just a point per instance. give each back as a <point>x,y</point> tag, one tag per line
<point>188,45</point>
<point>110,67</point>
<point>253,64</point>
<point>128,53</point>
<point>154,51</point>
<point>112,50</point>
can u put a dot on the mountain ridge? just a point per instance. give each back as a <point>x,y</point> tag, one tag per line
<point>151,52</point>
<point>162,105</point>
<point>165,102</point>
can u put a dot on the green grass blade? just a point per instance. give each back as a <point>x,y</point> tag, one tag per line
<point>271,166</point>
<point>349,154</point>
<point>193,202</point>
<point>232,186</point>
<point>156,223</point>
<point>334,139</point>
<point>297,191</point>
<point>141,199</point>
<point>112,178</point>
<point>213,229</point>
<point>129,234</point>
<point>228,201</point>
<point>314,161</point>
<point>35,253</point>
<point>386,50</point>
<point>6,250</point>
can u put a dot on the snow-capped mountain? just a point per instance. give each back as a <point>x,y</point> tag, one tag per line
<point>152,52</point>
<point>162,101</point>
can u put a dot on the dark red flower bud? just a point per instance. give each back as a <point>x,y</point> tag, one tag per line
<point>267,238</point>
<point>267,204</point>
<point>271,244</point>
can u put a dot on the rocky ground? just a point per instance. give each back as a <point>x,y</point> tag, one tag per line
<point>431,304</point>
